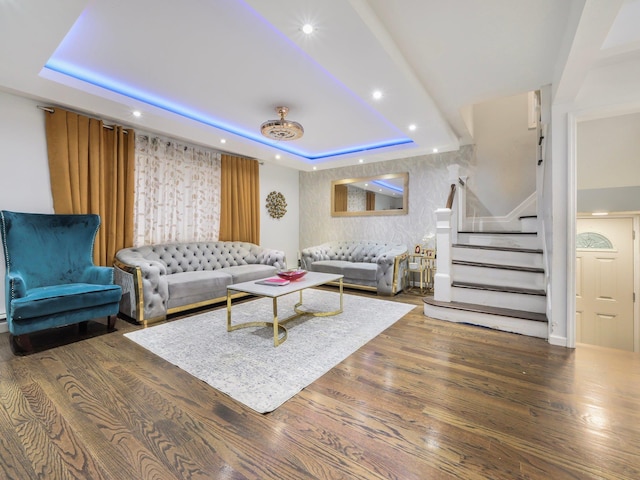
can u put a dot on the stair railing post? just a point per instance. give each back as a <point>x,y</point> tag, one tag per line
<point>461,194</point>
<point>442,279</point>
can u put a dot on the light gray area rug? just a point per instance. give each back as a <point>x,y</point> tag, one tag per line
<point>245,365</point>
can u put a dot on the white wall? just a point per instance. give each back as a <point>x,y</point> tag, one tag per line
<point>608,164</point>
<point>506,156</point>
<point>282,233</point>
<point>24,170</point>
<point>608,150</point>
<point>428,190</point>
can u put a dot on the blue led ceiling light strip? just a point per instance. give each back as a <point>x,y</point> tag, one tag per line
<point>149,99</point>
<point>384,184</point>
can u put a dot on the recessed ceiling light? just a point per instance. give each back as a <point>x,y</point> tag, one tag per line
<point>315,168</point>
<point>277,157</point>
<point>435,150</point>
<point>361,160</point>
<point>412,127</point>
<point>307,28</point>
<point>222,140</point>
<point>377,94</point>
<point>137,113</point>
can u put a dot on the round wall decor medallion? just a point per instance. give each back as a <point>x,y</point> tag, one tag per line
<point>276,205</point>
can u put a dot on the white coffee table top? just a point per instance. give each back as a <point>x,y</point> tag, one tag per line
<point>311,279</point>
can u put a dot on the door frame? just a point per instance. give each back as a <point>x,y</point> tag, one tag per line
<point>572,119</point>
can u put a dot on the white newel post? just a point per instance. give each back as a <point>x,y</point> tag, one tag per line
<point>442,280</point>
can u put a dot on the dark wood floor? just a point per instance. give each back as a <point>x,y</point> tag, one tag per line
<point>426,399</point>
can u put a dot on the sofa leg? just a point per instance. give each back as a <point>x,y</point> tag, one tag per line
<point>111,323</point>
<point>20,344</point>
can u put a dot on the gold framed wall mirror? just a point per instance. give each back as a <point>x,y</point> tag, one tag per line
<point>366,196</point>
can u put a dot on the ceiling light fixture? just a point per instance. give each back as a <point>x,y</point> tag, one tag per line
<point>282,129</point>
<point>137,113</point>
<point>412,127</point>
<point>307,28</point>
<point>377,95</point>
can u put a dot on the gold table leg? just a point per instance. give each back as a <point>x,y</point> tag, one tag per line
<point>279,324</point>
<point>276,325</point>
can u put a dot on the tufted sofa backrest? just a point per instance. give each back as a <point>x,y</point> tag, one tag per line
<point>356,251</point>
<point>189,257</point>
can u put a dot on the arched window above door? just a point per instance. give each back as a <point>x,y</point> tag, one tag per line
<point>593,240</point>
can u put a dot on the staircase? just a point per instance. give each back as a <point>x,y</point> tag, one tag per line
<point>497,281</point>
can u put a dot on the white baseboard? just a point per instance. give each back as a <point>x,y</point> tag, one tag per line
<point>558,341</point>
<point>3,325</point>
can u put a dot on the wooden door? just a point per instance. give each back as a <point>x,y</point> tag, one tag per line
<point>604,282</point>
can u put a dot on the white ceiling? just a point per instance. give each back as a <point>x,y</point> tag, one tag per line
<point>204,70</point>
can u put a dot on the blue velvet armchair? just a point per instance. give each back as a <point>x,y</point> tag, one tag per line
<point>51,280</point>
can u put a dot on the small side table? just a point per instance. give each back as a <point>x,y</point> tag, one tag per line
<point>420,269</point>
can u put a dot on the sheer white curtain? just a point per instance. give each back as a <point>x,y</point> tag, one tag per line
<point>177,192</point>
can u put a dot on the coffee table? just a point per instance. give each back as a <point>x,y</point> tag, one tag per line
<point>311,279</point>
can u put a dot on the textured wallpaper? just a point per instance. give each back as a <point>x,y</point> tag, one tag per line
<point>356,199</point>
<point>428,190</point>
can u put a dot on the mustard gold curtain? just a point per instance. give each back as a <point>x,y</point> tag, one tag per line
<point>371,200</point>
<point>91,170</point>
<point>240,199</point>
<point>340,198</point>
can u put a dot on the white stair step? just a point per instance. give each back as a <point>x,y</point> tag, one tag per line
<point>499,298</point>
<point>495,275</point>
<point>500,239</point>
<point>529,223</point>
<point>498,255</point>
<point>513,321</point>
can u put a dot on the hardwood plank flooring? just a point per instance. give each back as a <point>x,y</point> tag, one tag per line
<point>426,399</point>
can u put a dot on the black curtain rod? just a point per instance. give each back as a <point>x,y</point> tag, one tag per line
<point>51,110</point>
<point>110,127</point>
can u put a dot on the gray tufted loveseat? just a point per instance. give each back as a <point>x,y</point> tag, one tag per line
<point>158,280</point>
<point>367,265</point>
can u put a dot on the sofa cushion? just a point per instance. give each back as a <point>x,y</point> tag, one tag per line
<point>330,266</point>
<point>361,272</point>
<point>194,287</point>
<point>246,273</point>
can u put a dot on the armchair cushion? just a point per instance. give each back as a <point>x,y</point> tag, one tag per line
<point>60,298</point>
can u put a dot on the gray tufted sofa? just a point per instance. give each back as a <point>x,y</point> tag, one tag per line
<point>158,280</point>
<point>367,265</point>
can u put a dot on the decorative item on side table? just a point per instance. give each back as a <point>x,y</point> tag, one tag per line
<point>428,243</point>
<point>420,270</point>
<point>293,274</point>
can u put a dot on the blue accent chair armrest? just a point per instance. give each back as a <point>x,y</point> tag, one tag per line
<point>51,280</point>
